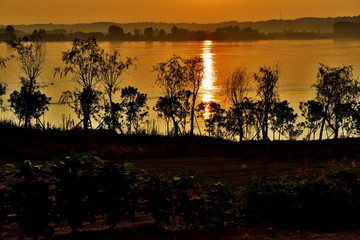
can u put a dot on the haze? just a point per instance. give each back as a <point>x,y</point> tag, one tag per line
<point>200,11</point>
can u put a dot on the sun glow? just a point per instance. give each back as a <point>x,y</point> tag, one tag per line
<point>207,87</point>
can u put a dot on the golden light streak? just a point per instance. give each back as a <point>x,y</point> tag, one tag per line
<point>207,87</point>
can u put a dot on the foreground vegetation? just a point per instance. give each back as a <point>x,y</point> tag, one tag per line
<point>82,188</point>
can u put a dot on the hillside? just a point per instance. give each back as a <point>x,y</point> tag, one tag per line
<point>322,25</point>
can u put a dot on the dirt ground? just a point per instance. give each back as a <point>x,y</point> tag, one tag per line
<point>142,231</point>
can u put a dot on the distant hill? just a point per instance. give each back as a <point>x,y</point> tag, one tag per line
<point>322,25</point>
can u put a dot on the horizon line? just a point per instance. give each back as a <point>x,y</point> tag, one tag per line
<point>153,22</point>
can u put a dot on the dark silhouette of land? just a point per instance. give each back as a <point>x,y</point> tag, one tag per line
<point>302,28</point>
<point>273,25</point>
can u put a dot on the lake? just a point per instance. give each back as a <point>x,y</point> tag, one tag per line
<point>298,61</point>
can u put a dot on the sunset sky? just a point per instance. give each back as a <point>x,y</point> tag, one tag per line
<point>200,11</point>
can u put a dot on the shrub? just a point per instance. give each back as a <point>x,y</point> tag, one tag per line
<point>331,200</point>
<point>156,197</point>
<point>5,209</point>
<point>118,195</point>
<point>30,199</point>
<point>76,189</point>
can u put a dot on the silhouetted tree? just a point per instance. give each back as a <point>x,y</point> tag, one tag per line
<point>253,110</point>
<point>283,119</point>
<point>166,108</point>
<point>312,111</point>
<point>2,92</point>
<point>115,32</point>
<point>184,111</point>
<point>195,76</point>
<point>133,104</point>
<point>162,34</point>
<point>213,116</point>
<point>267,79</point>
<point>137,32</point>
<point>10,32</point>
<point>38,33</point>
<point>171,77</point>
<point>2,85</point>
<point>236,89</point>
<point>356,118</point>
<point>149,33</point>
<point>29,102</point>
<point>336,90</point>
<point>111,69</point>
<point>347,29</point>
<point>235,121</point>
<point>83,61</point>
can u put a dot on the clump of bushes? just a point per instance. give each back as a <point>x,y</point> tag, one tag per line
<point>326,201</point>
<point>83,188</point>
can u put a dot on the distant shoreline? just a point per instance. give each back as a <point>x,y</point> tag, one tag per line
<point>275,29</point>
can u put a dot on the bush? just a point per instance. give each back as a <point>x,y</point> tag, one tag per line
<point>117,193</point>
<point>156,197</point>
<point>331,200</point>
<point>30,200</point>
<point>5,208</point>
<point>76,189</point>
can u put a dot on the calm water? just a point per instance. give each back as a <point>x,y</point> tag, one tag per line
<point>297,60</point>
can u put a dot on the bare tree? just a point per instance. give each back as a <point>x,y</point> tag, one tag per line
<point>236,90</point>
<point>195,76</point>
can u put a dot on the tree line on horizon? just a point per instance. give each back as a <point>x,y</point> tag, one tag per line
<point>226,33</point>
<point>98,98</point>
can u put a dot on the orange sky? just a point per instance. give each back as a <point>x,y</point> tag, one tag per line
<point>201,11</point>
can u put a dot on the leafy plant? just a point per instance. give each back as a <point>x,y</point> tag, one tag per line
<point>76,189</point>
<point>118,195</point>
<point>157,198</point>
<point>31,200</point>
<point>5,208</point>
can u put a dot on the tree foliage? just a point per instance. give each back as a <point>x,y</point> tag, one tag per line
<point>195,76</point>
<point>83,62</point>
<point>213,116</point>
<point>133,105</point>
<point>2,85</point>
<point>171,77</point>
<point>336,95</point>
<point>112,67</point>
<point>236,90</point>
<point>29,102</point>
<point>267,79</point>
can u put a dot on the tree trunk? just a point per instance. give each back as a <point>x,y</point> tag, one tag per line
<point>176,127</point>
<point>322,129</point>
<point>86,122</point>
<point>192,113</point>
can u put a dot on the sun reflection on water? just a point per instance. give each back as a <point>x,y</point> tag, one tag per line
<point>207,87</point>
